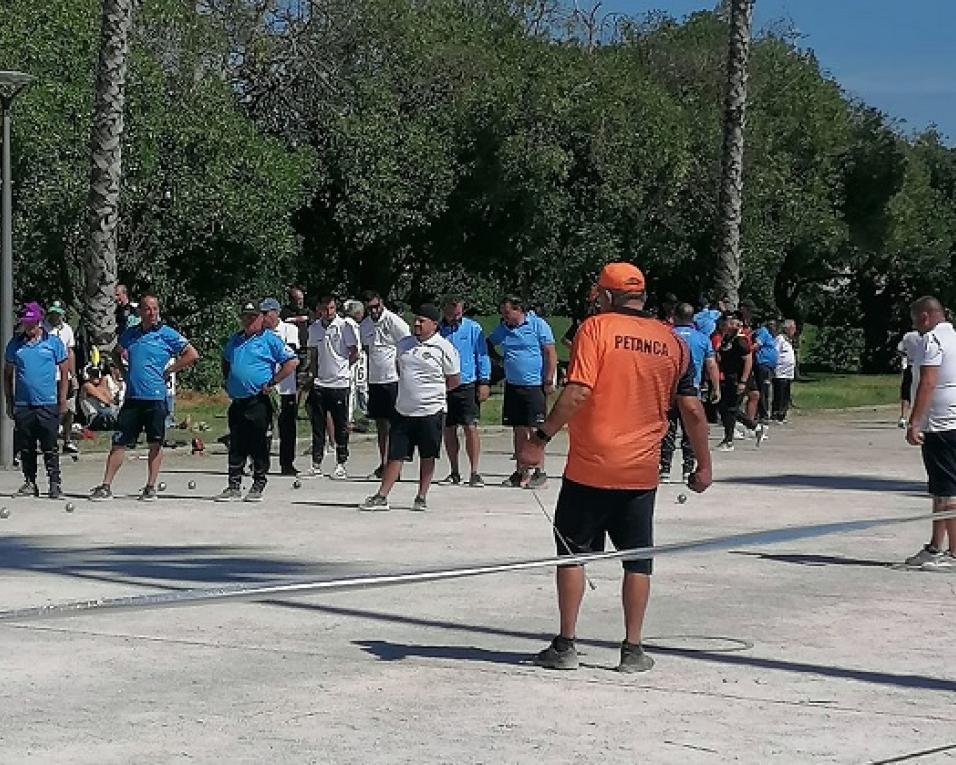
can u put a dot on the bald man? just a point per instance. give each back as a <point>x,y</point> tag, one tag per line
<point>932,427</point>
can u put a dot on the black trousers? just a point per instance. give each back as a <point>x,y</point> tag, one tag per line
<point>288,415</point>
<point>334,401</point>
<point>764,377</point>
<point>781,398</point>
<point>250,433</point>
<point>729,406</point>
<point>33,425</point>
<point>669,444</point>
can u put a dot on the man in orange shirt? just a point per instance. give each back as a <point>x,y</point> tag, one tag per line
<point>625,370</point>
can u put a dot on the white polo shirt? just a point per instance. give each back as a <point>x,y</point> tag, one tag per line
<point>381,337</point>
<point>332,345</point>
<point>939,350</point>
<point>422,368</point>
<point>786,358</point>
<point>65,332</point>
<point>289,334</point>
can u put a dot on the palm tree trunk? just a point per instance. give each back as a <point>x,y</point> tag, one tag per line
<point>730,201</point>
<point>106,172</point>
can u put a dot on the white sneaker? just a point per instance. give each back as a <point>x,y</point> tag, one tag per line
<point>760,432</point>
<point>741,432</point>
<point>725,446</point>
<point>339,474</point>
<point>901,423</point>
<point>316,471</point>
<point>945,563</point>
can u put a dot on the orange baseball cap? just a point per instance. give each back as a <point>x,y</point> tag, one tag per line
<point>621,277</point>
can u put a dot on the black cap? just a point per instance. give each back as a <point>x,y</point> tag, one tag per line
<point>248,307</point>
<point>429,311</point>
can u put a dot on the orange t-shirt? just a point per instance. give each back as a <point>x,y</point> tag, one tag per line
<point>633,365</point>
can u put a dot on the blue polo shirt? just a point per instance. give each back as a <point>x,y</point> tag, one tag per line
<point>521,348</point>
<point>700,349</point>
<point>252,361</point>
<point>35,363</point>
<point>468,338</point>
<point>148,353</point>
<point>766,355</point>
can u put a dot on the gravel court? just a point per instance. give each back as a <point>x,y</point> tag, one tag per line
<point>844,664</point>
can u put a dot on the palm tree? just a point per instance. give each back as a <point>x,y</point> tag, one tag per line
<point>730,200</point>
<point>106,172</point>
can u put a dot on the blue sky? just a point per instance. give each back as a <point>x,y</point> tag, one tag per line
<point>896,55</point>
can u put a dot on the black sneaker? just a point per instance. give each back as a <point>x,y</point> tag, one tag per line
<point>538,480</point>
<point>516,480</point>
<point>55,492</point>
<point>148,494</point>
<point>255,493</point>
<point>229,494</point>
<point>70,448</point>
<point>476,481</point>
<point>379,472</point>
<point>633,659</point>
<point>375,503</point>
<point>101,493</point>
<point>452,479</point>
<point>561,654</point>
<point>29,489</point>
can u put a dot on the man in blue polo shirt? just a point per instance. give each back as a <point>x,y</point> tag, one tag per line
<point>146,349</point>
<point>35,385</point>
<point>254,361</point>
<point>765,363</point>
<point>703,359</point>
<point>530,362</point>
<point>464,402</point>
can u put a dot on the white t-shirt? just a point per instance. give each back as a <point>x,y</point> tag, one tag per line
<point>422,368</point>
<point>786,358</point>
<point>65,332</point>
<point>289,334</point>
<point>911,346</point>
<point>381,337</point>
<point>332,344</point>
<point>939,350</point>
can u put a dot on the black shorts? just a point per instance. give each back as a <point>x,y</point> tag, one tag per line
<point>381,400</point>
<point>939,457</point>
<point>463,406</point>
<point>410,433</point>
<point>906,385</point>
<point>136,416</point>
<point>585,514</point>
<point>524,406</point>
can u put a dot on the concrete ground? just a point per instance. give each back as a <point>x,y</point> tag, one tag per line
<point>811,651</point>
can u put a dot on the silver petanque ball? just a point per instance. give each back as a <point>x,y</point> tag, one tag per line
<point>162,486</point>
<point>192,484</point>
<point>681,499</point>
<point>4,513</point>
<point>70,507</point>
<point>297,484</point>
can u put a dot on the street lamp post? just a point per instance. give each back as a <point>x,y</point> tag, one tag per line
<point>11,83</point>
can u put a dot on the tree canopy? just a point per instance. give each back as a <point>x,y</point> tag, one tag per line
<point>417,146</point>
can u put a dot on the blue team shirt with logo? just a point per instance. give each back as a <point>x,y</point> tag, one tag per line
<point>148,353</point>
<point>521,349</point>
<point>468,338</point>
<point>252,361</point>
<point>700,349</point>
<point>35,366</point>
<point>766,355</point>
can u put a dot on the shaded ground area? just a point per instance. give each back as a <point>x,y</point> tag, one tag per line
<point>818,649</point>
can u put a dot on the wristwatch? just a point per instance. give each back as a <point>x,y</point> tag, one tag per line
<point>541,435</point>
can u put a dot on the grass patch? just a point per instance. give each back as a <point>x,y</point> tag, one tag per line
<point>844,391</point>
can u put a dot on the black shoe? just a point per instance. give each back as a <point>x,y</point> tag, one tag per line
<point>561,654</point>
<point>29,489</point>
<point>55,492</point>
<point>379,472</point>
<point>633,659</point>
